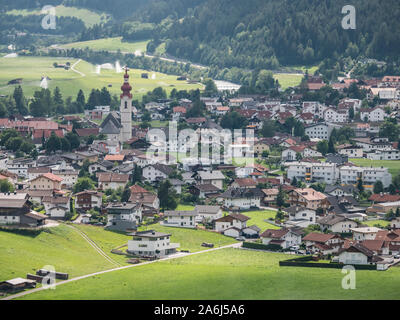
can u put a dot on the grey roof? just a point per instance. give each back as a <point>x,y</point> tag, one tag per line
<point>150,234</point>
<point>211,175</point>
<point>111,124</point>
<point>180,213</point>
<point>176,182</point>
<point>163,168</point>
<point>207,209</point>
<point>331,219</point>
<point>239,193</point>
<point>346,188</point>
<point>341,204</point>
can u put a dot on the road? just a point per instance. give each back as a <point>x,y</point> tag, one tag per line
<point>78,72</point>
<point>175,256</point>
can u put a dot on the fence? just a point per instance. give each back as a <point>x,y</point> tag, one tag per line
<point>303,262</point>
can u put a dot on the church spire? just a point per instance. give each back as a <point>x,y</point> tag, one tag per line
<point>126,87</point>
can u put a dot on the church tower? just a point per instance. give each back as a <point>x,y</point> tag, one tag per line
<point>126,109</point>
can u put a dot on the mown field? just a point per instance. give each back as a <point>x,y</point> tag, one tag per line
<point>260,219</point>
<point>109,44</point>
<point>32,69</point>
<point>392,165</point>
<point>190,239</point>
<point>61,247</point>
<point>287,80</point>
<point>89,17</point>
<point>372,223</point>
<point>227,274</point>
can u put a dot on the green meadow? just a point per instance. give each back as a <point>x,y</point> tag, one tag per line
<point>392,165</point>
<point>287,80</point>
<point>61,247</point>
<point>227,274</point>
<point>32,69</point>
<point>109,44</point>
<point>89,17</point>
<point>260,219</point>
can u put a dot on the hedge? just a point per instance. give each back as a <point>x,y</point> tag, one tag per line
<point>301,262</point>
<point>260,246</point>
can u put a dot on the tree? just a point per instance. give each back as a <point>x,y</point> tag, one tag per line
<point>331,145</point>
<point>53,143</point>
<point>378,187</point>
<point>360,185</point>
<point>279,215</point>
<point>280,198</point>
<point>126,194</point>
<point>294,182</point>
<point>83,184</point>
<point>73,139</point>
<point>58,101</point>
<point>6,186</point>
<point>210,88</point>
<point>268,129</point>
<point>167,196</point>
<point>20,101</point>
<point>137,174</point>
<point>80,100</point>
<point>323,147</point>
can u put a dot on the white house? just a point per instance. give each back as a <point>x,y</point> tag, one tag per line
<point>156,172</point>
<point>182,219</point>
<point>243,198</point>
<point>351,175</point>
<point>236,220</point>
<point>285,238</point>
<point>208,213</point>
<point>334,115</point>
<point>300,217</point>
<point>372,115</point>
<point>336,224</point>
<point>126,212</point>
<point>357,254</point>
<point>310,171</point>
<point>320,131</point>
<point>365,233</point>
<point>151,243</point>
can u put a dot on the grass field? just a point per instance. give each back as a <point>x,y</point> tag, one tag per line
<point>109,44</point>
<point>90,18</point>
<point>392,165</point>
<point>225,275</point>
<point>371,223</point>
<point>190,239</point>
<point>257,218</point>
<point>60,247</point>
<point>287,80</point>
<point>32,69</point>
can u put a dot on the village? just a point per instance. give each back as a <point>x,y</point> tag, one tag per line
<point>319,187</point>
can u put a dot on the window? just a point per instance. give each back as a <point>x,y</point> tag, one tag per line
<point>126,104</point>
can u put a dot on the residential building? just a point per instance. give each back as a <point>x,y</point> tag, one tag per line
<point>47,181</point>
<point>307,198</point>
<point>351,175</point>
<point>242,198</point>
<point>181,219</point>
<point>313,171</point>
<point>206,213</point>
<point>88,199</point>
<point>151,243</point>
<point>336,224</point>
<point>285,238</point>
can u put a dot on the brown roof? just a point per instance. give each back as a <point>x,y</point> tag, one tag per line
<point>318,237</point>
<point>112,177</point>
<point>114,157</point>
<point>233,216</point>
<point>86,132</point>
<point>246,182</point>
<point>384,198</point>
<point>274,234</point>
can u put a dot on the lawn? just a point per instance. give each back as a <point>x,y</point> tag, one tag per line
<point>227,274</point>
<point>392,165</point>
<point>61,247</point>
<point>106,240</point>
<point>372,223</point>
<point>109,44</point>
<point>32,69</point>
<point>257,218</point>
<point>287,80</point>
<point>89,17</point>
<point>191,239</point>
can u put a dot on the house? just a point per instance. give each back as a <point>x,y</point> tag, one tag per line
<point>123,216</point>
<point>251,232</point>
<point>365,233</point>
<point>151,243</point>
<point>244,183</point>
<point>88,199</point>
<point>20,166</point>
<point>242,198</point>
<point>101,166</point>
<point>177,185</point>
<point>336,224</point>
<point>35,172</point>
<point>206,213</point>
<point>215,178</point>
<point>156,172</point>
<point>236,221</point>
<point>339,190</point>
<point>181,219</point>
<point>313,171</point>
<point>307,198</point>
<point>69,176</point>
<point>376,114</point>
<point>47,181</point>
<point>56,206</point>
<point>320,131</point>
<point>343,205</point>
<point>15,210</point>
<point>115,158</point>
<point>270,196</point>
<point>351,175</point>
<point>323,243</point>
<point>284,238</point>
<point>112,180</point>
<point>144,197</point>
<point>300,217</point>
<point>357,254</point>
<point>204,190</point>
<point>352,151</point>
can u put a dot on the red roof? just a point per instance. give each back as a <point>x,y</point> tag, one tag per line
<point>52,177</point>
<point>114,157</point>
<point>179,109</point>
<point>39,133</point>
<point>384,198</point>
<point>138,189</point>
<point>86,132</point>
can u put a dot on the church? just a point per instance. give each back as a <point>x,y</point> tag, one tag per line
<point>118,125</point>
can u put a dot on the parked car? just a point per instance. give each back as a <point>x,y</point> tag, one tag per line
<point>241,239</point>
